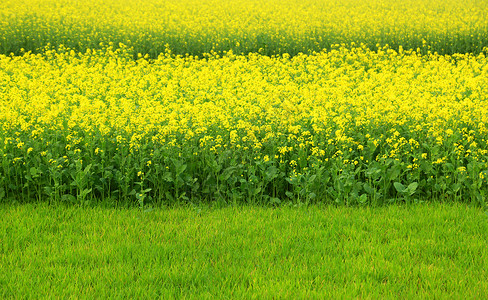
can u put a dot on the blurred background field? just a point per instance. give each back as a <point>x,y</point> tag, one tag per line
<point>269,27</point>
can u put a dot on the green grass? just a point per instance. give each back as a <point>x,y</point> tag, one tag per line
<point>416,251</point>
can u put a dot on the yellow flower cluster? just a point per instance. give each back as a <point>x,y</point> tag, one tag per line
<point>277,104</point>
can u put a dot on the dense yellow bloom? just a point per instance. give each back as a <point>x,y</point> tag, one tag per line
<point>250,100</point>
<point>343,111</point>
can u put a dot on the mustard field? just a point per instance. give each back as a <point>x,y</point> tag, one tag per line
<point>294,101</point>
<point>269,27</point>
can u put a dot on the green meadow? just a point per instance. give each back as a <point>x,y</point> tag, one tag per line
<point>198,252</point>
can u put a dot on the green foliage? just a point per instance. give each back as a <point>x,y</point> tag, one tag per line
<point>124,177</point>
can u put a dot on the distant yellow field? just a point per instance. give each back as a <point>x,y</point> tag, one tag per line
<point>275,26</point>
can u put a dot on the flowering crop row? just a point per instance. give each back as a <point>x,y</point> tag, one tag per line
<point>349,125</point>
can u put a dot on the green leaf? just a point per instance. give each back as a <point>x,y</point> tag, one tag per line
<point>33,171</point>
<point>412,187</point>
<point>180,169</point>
<point>394,173</point>
<point>368,189</point>
<point>399,187</point>
<point>363,198</point>
<point>87,169</point>
<point>168,177</point>
<point>257,191</point>
<point>292,181</point>
<point>227,173</point>
<point>272,173</point>
<point>68,198</point>
<point>180,166</point>
<point>373,172</point>
<point>183,196</point>
<point>274,200</point>
<point>289,194</point>
<point>85,192</point>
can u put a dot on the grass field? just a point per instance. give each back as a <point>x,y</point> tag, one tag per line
<point>409,252</point>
